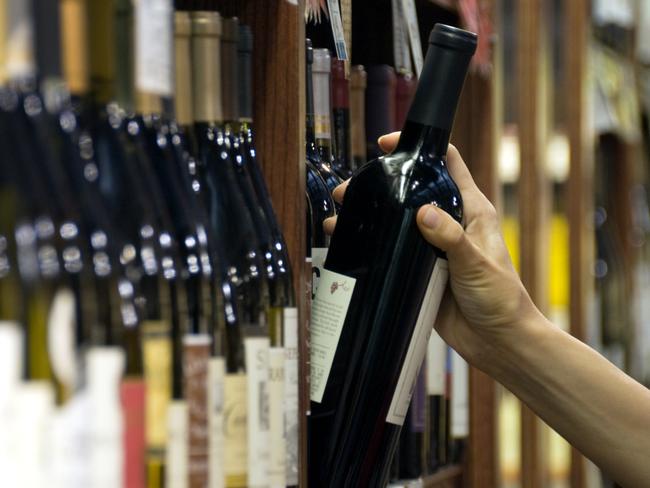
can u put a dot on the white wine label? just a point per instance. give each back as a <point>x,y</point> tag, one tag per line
<point>435,363</point>
<point>290,324</point>
<point>11,362</point>
<point>318,257</point>
<point>411,16</point>
<point>277,440</point>
<point>154,38</point>
<point>459,396</point>
<point>328,312</point>
<point>337,29</point>
<point>69,456</point>
<point>176,454</point>
<point>322,107</point>
<point>235,430</point>
<point>401,52</point>
<point>216,373</point>
<point>11,358</point>
<point>157,358</point>
<point>34,409</point>
<point>61,324</point>
<point>105,366</point>
<point>418,345</point>
<point>257,370</point>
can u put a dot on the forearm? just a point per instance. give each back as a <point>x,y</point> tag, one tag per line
<point>597,408</point>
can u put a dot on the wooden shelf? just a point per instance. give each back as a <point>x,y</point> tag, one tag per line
<point>451,477</point>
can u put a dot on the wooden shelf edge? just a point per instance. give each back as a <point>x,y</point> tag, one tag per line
<point>445,478</point>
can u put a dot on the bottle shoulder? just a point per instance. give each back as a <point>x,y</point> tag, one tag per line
<point>409,179</point>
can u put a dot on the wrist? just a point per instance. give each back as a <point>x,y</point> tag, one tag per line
<point>503,349</point>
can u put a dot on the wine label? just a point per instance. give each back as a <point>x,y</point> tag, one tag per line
<point>154,44</point>
<point>157,356</point>
<point>216,373</point>
<point>277,440</point>
<point>459,396</point>
<point>401,51</point>
<point>291,405</point>
<point>19,41</point>
<point>196,354</point>
<point>11,363</point>
<point>411,16</point>
<point>34,411</point>
<point>418,345</point>
<point>318,257</point>
<point>257,369</point>
<point>61,325</point>
<point>435,364</point>
<point>176,454</point>
<point>235,430</point>
<point>105,366</point>
<point>322,117</point>
<point>328,312</point>
<point>337,29</point>
<point>69,441</point>
<point>132,396</point>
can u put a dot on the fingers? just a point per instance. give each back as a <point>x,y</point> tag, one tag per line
<point>460,173</point>
<point>441,230</point>
<point>339,192</point>
<point>388,142</point>
<point>328,225</point>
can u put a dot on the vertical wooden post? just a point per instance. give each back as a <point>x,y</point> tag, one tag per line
<point>532,59</point>
<point>580,185</point>
<point>476,134</point>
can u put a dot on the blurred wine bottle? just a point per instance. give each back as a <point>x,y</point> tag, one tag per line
<point>380,106</point>
<point>358,82</point>
<point>341,120</point>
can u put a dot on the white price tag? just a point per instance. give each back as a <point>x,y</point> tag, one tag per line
<point>401,51</point>
<point>411,16</point>
<point>337,29</point>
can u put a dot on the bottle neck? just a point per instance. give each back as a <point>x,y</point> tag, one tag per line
<point>206,79</point>
<point>310,128</point>
<point>183,79</point>
<point>416,137</point>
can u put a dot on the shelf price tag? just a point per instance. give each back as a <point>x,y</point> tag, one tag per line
<point>337,29</point>
<point>401,51</point>
<point>411,16</point>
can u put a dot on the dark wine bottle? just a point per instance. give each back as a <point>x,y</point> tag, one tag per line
<point>404,92</point>
<point>358,82</point>
<point>130,192</point>
<point>319,136</point>
<point>230,84</point>
<point>246,331</point>
<point>319,196</point>
<point>380,106</point>
<point>435,449</point>
<point>382,284</point>
<point>341,120</point>
<point>411,439</point>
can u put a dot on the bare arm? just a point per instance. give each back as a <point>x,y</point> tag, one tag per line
<point>591,403</point>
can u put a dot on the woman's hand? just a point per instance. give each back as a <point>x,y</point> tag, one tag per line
<point>486,300</point>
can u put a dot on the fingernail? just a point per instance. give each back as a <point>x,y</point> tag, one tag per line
<point>430,218</point>
<point>379,140</point>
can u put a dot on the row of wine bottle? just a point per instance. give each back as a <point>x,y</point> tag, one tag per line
<point>377,285</point>
<point>148,331</point>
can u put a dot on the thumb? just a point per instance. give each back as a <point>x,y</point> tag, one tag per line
<point>441,230</point>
